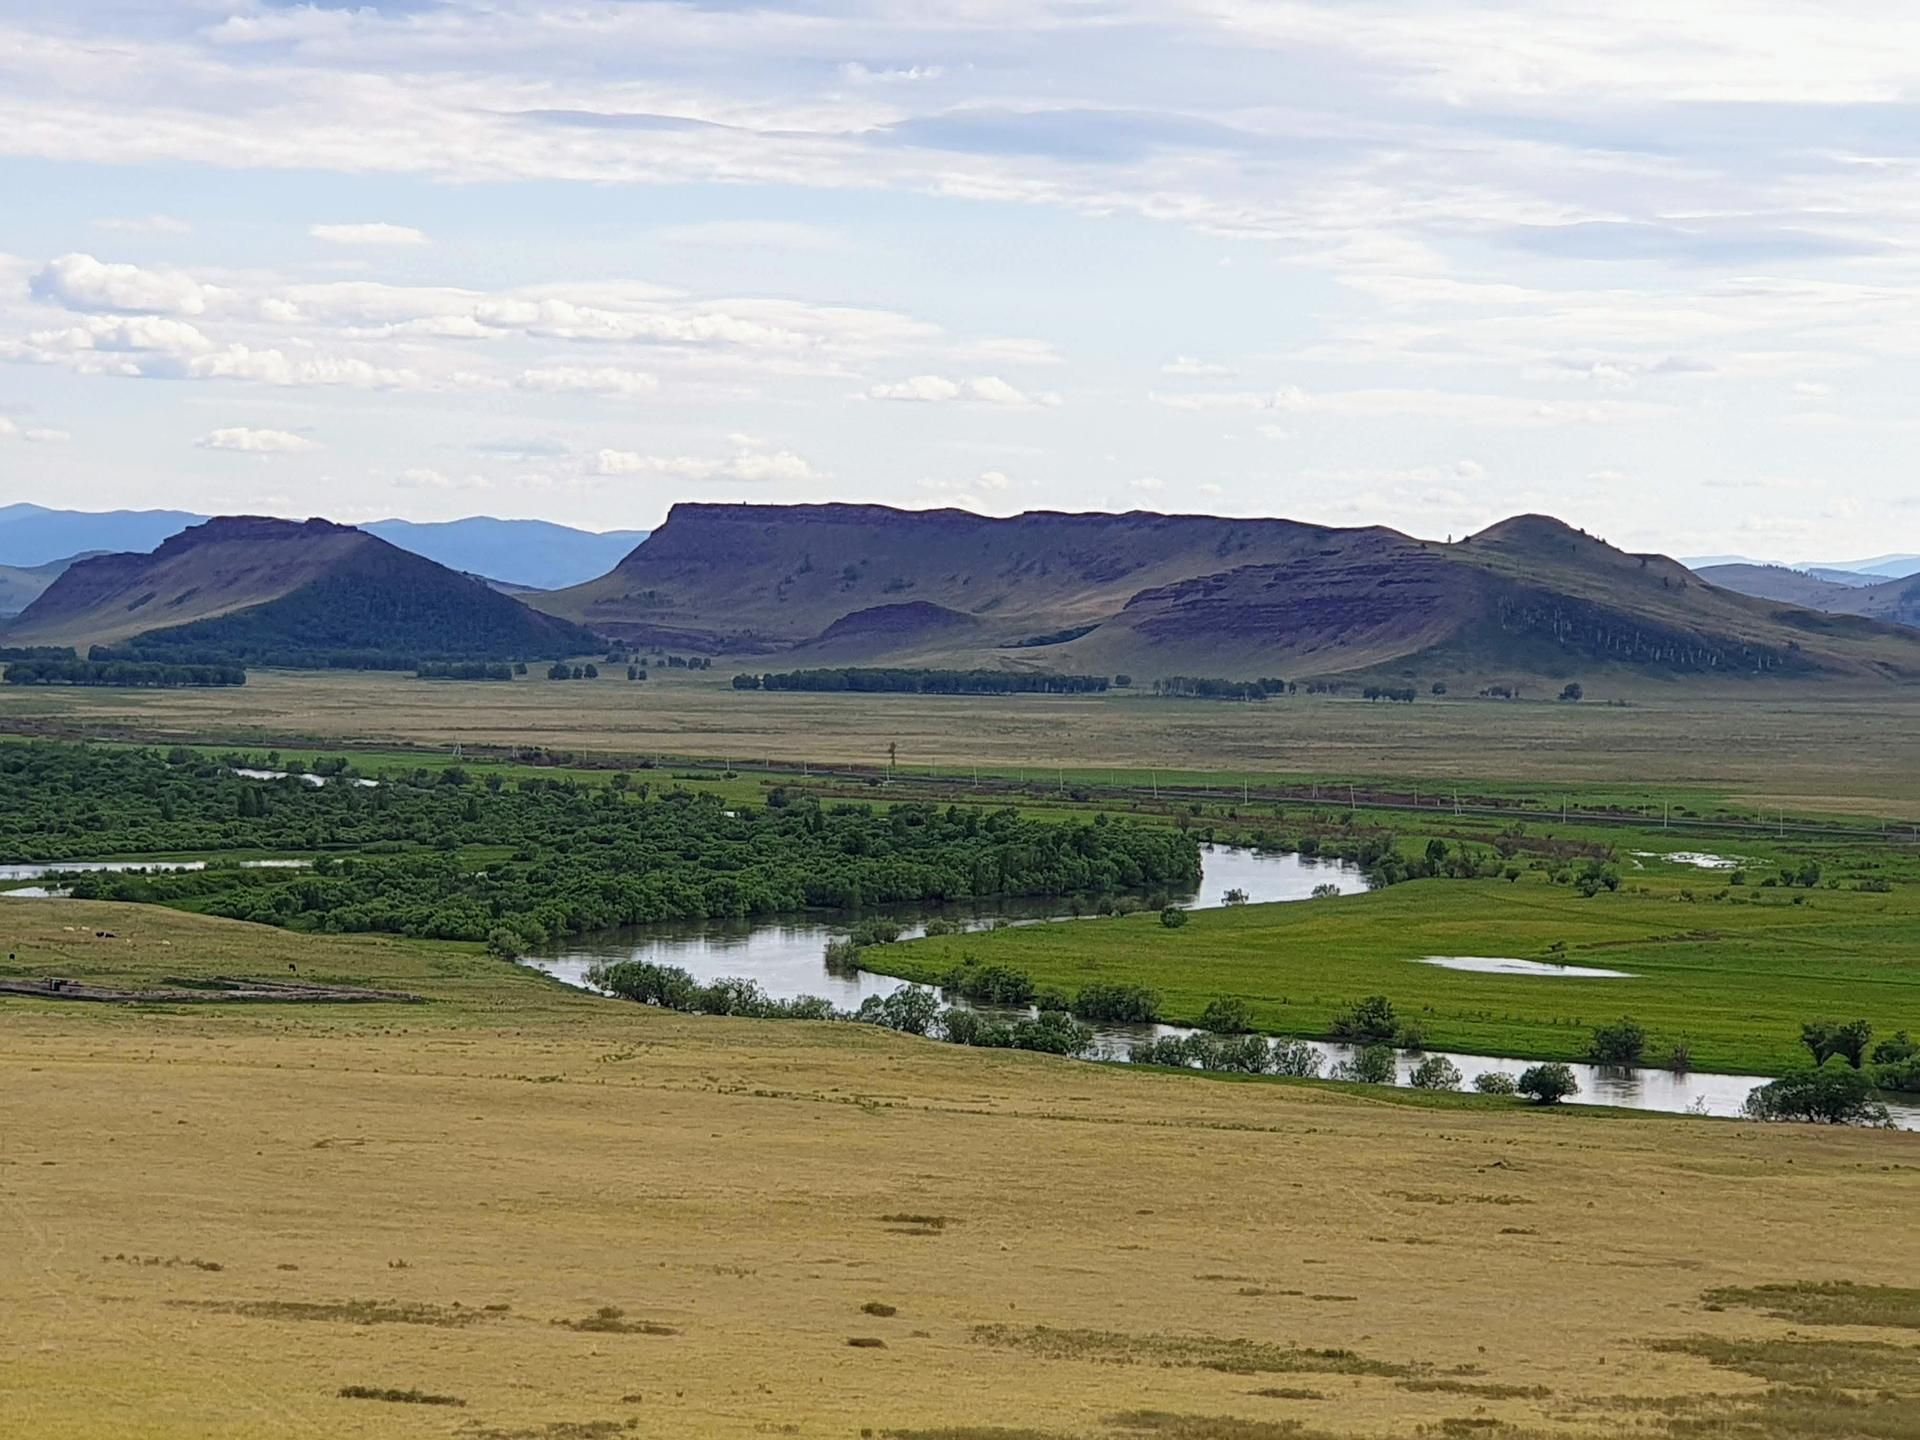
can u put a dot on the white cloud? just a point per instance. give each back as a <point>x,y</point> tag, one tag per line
<point>751,235</point>
<point>599,380</point>
<point>425,477</point>
<point>376,234</point>
<point>984,390</point>
<point>274,367</point>
<point>747,466</point>
<point>145,225</point>
<point>80,282</point>
<point>255,442</point>
<point>927,389</point>
<point>129,333</point>
<point>1189,365</point>
<point>1460,407</point>
<point>10,430</point>
<point>856,73</point>
<point>1148,483</point>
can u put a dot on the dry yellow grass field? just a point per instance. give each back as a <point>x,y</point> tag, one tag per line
<point>1808,749</point>
<point>218,1218</point>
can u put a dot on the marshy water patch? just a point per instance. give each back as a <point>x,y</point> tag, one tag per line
<point>1500,965</point>
<point>307,776</point>
<point>1695,859</point>
<point>13,877</point>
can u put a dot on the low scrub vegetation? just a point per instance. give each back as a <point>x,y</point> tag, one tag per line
<point>1831,1094</point>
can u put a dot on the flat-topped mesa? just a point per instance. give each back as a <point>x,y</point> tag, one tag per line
<point>1530,598</point>
<point>252,529</point>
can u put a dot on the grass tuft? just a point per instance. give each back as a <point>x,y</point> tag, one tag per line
<point>341,1312</point>
<point>397,1397</point>
<point>612,1320</point>
<point>1198,1352</point>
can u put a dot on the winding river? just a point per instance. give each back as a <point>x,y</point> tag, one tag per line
<point>787,958</point>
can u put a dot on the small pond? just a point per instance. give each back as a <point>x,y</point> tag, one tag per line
<point>1492,965</point>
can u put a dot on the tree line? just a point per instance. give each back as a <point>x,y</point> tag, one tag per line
<point>467,670</point>
<point>925,682</point>
<point>133,673</point>
<point>1197,687</point>
<point>37,652</point>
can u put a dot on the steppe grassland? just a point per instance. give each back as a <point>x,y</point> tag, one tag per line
<point>224,1217</point>
<point>1808,749</point>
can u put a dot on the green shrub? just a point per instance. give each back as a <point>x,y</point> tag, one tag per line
<point>912,1009</point>
<point>1054,1033</point>
<point>990,984</point>
<point>1901,1075</point>
<point>1296,1059</point>
<point>1241,1055</point>
<point>1495,1082</point>
<point>1165,1050</point>
<point>1173,917</point>
<point>1373,1065</point>
<point>1548,1084</point>
<point>1622,1042</point>
<point>1831,1094</point>
<point>1371,1022</point>
<point>1116,1003</point>
<point>1827,1038</point>
<point>1893,1051</point>
<point>1227,1015</point>
<point>1436,1072</point>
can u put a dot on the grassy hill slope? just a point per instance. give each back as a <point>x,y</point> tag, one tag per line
<point>280,591</point>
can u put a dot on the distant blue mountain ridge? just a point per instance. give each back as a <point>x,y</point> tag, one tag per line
<point>1841,572</point>
<point>531,554</point>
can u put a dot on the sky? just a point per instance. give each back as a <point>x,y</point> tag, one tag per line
<point>1652,268</point>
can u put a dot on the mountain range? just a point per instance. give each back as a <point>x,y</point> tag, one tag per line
<point>791,586</point>
<point>1197,595</point>
<point>520,554</point>
<point>1840,572</point>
